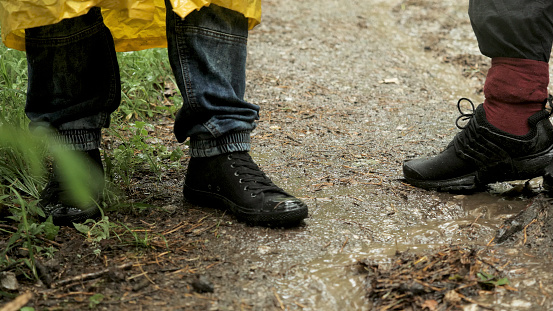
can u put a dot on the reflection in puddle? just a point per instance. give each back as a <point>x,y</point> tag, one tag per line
<point>330,280</point>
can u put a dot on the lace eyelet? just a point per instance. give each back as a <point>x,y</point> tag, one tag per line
<point>253,195</point>
<point>232,165</point>
<point>246,188</point>
<point>241,180</point>
<point>236,173</point>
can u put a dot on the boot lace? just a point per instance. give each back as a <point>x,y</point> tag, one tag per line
<point>462,121</point>
<point>464,117</point>
<point>250,174</point>
<point>469,133</point>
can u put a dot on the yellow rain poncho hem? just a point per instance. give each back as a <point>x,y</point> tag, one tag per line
<point>134,24</point>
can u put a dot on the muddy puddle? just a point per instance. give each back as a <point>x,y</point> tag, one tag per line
<point>327,278</point>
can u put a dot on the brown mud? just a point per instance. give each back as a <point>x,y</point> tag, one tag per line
<point>348,90</point>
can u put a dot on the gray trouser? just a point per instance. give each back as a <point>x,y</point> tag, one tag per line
<point>513,28</point>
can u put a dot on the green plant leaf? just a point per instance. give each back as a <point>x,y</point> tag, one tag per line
<point>50,230</point>
<point>95,300</point>
<point>502,281</point>
<point>491,279</point>
<point>484,277</point>
<point>82,228</point>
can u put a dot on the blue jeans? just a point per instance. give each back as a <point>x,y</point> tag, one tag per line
<point>74,82</point>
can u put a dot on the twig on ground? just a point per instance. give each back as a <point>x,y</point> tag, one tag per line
<point>36,236</point>
<point>472,224</point>
<point>18,303</point>
<point>8,227</point>
<point>343,245</point>
<point>88,276</point>
<point>481,305</point>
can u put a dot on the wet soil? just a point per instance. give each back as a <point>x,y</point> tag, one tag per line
<point>348,90</point>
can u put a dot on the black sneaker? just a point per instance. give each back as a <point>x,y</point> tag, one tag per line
<point>482,154</point>
<point>56,201</point>
<point>233,181</point>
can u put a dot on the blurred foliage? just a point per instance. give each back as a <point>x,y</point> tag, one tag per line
<point>148,93</point>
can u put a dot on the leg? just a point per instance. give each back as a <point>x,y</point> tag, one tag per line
<point>517,36</point>
<point>508,137</point>
<point>513,28</point>
<point>73,79</point>
<point>73,87</point>
<point>207,51</point>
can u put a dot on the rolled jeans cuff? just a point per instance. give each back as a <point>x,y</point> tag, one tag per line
<point>81,140</point>
<point>233,142</point>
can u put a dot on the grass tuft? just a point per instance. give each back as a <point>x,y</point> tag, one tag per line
<point>148,94</point>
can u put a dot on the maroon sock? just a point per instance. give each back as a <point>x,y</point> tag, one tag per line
<point>515,89</point>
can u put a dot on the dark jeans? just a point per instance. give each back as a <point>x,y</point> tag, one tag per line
<point>513,28</point>
<point>74,82</point>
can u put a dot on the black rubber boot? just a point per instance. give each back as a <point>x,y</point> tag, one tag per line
<point>481,154</point>
<point>234,182</point>
<point>57,201</point>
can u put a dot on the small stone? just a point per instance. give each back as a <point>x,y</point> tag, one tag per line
<point>8,280</point>
<point>116,275</point>
<point>202,285</point>
<point>452,297</point>
<point>143,283</point>
<point>171,208</point>
<point>264,249</point>
<point>517,304</point>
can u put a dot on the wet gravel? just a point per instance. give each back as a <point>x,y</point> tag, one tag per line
<point>348,90</point>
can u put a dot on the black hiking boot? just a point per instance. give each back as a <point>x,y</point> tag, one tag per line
<point>57,201</point>
<point>481,154</point>
<point>233,181</point>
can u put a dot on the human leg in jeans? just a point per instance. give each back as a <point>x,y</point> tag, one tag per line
<point>73,87</point>
<point>509,136</point>
<point>207,52</point>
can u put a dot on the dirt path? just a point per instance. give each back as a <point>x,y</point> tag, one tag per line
<point>348,90</point>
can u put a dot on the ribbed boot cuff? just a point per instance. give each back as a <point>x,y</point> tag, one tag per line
<point>80,140</point>
<point>233,142</point>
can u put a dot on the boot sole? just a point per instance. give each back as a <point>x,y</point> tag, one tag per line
<point>213,200</point>
<point>60,219</point>
<point>523,168</point>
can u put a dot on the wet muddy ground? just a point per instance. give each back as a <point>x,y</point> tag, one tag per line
<point>348,90</point>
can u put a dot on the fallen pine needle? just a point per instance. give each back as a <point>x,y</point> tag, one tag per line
<point>526,227</point>
<point>481,305</point>
<point>146,274</point>
<point>278,299</point>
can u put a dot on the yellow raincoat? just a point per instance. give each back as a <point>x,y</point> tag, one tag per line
<point>134,24</point>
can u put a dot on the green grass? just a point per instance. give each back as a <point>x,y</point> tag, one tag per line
<point>13,87</point>
<point>24,158</point>
<point>144,75</point>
